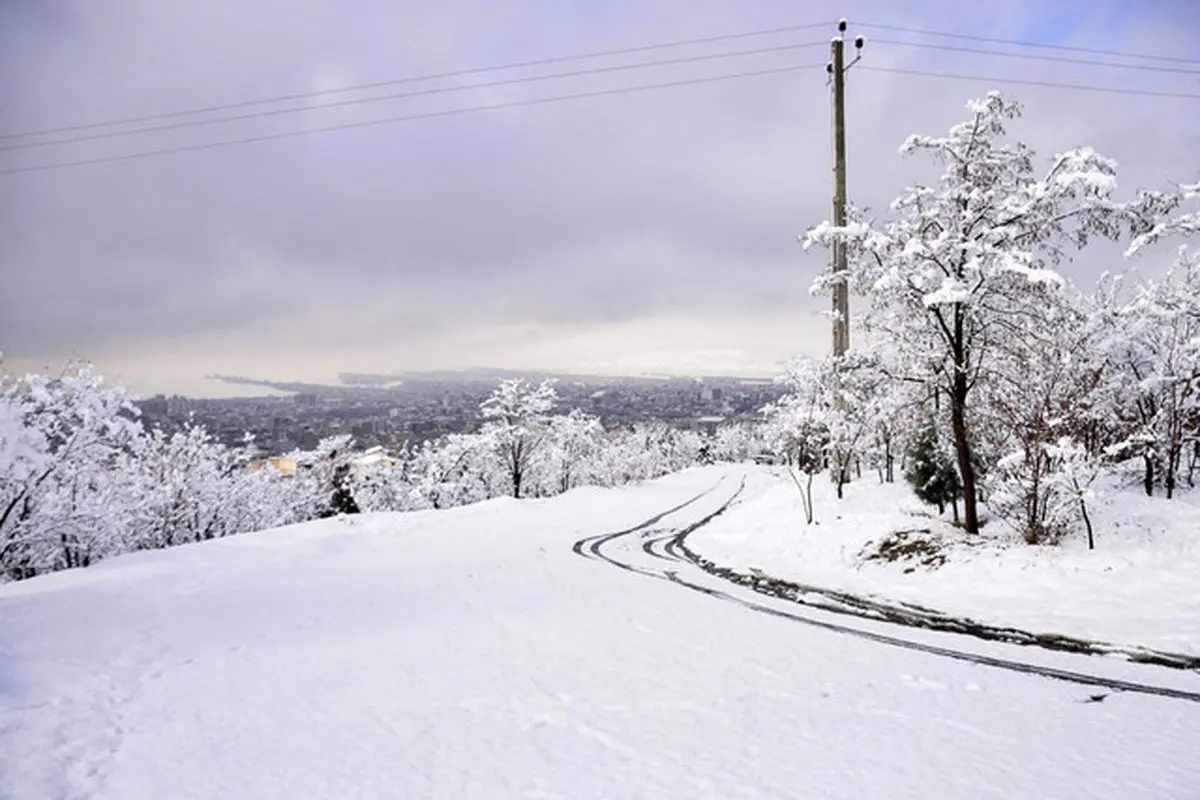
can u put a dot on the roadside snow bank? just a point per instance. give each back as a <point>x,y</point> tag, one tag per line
<point>1137,588</point>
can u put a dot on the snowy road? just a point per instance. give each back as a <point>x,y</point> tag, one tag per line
<point>643,549</point>
<point>472,653</point>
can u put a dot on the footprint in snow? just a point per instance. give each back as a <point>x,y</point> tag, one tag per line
<point>921,684</point>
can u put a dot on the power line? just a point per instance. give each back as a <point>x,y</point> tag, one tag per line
<point>539,62</point>
<point>407,95</point>
<point>1025,82</point>
<point>1038,57</point>
<point>406,118</point>
<point>548,61</point>
<point>1040,45</point>
<point>568,97</point>
<point>557,98</point>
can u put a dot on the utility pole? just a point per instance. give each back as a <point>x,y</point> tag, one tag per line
<point>837,80</point>
<point>839,471</point>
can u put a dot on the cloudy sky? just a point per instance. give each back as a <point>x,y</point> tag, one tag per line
<point>621,233</point>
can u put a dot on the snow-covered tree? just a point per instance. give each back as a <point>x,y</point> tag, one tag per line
<point>258,496</point>
<point>450,472</point>
<point>384,483</point>
<point>633,453</point>
<point>1155,341</point>
<point>1046,386</point>
<point>962,258</point>
<point>64,438</point>
<point>736,442</point>
<point>185,479</point>
<point>852,396</point>
<point>646,450</point>
<point>569,456</point>
<point>193,488</point>
<point>1043,505</point>
<point>798,429</point>
<point>1156,217</point>
<point>516,424</point>
<point>1076,471</point>
<point>686,447</point>
<point>24,451</point>
<point>325,478</point>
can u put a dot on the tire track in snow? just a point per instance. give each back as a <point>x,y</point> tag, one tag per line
<point>915,616</point>
<point>590,547</point>
<point>1070,676</point>
<point>656,546</point>
<point>670,545</point>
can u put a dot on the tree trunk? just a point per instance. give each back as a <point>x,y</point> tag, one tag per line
<point>65,543</point>
<point>805,493</point>
<point>962,450</point>
<point>1087,522</point>
<point>1174,457</point>
<point>516,467</point>
<point>1148,477</point>
<point>1191,476</point>
<point>808,505</point>
<point>959,388</point>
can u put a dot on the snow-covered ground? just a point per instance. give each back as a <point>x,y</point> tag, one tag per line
<point>1138,587</point>
<point>471,653</point>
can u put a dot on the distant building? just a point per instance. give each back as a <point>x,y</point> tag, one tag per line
<point>286,467</point>
<point>372,458</point>
<point>306,439</point>
<point>155,406</point>
<point>178,406</point>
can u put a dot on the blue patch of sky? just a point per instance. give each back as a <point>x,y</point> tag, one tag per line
<point>1089,23</point>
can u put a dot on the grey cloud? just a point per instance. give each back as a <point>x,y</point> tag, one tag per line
<point>599,212</point>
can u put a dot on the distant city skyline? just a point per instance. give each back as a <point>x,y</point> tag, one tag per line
<point>434,405</point>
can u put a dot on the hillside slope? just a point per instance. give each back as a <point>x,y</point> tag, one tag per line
<point>471,653</point>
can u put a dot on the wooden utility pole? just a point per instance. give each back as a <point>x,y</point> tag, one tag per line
<point>839,469</point>
<point>837,81</point>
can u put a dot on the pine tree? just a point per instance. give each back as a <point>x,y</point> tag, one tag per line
<point>930,469</point>
<point>342,500</point>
